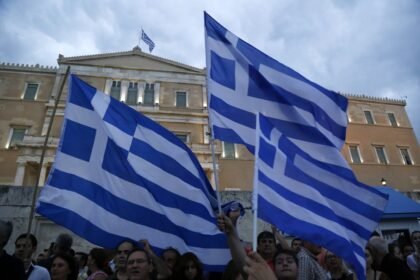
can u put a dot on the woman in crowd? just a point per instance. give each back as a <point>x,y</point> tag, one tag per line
<point>63,267</point>
<point>336,268</point>
<point>98,264</point>
<point>188,267</point>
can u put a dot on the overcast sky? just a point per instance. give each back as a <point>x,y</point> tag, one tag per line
<point>359,47</point>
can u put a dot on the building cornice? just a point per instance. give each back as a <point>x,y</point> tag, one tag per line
<point>27,67</point>
<point>363,97</point>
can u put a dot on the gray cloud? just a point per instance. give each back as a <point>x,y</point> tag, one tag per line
<point>361,47</point>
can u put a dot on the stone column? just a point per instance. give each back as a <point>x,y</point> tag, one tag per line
<point>141,93</point>
<point>42,175</point>
<point>157,93</point>
<point>124,89</point>
<point>108,85</point>
<point>20,173</point>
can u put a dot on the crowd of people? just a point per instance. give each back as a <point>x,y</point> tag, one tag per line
<point>274,259</point>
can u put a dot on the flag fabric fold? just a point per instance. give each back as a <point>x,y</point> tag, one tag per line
<point>296,129</point>
<point>147,40</point>
<point>119,175</point>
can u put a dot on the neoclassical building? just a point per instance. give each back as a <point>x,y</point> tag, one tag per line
<point>381,146</point>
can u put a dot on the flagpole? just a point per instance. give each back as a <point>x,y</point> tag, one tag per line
<point>255,189</point>
<point>44,148</point>
<point>216,175</point>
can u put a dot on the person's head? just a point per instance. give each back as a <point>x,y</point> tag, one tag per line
<point>25,248</point>
<point>63,243</point>
<point>63,267</point>
<point>41,257</point>
<point>378,249</point>
<point>415,239</point>
<point>407,250</point>
<point>394,249</point>
<point>296,244</point>
<point>232,272</point>
<point>170,256</point>
<point>81,259</point>
<point>123,249</point>
<point>138,266</point>
<point>266,245</point>
<point>6,229</point>
<point>285,264</point>
<point>333,262</point>
<point>98,260</point>
<point>369,258</point>
<point>311,247</point>
<point>188,267</point>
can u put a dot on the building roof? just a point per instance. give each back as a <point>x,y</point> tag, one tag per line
<point>399,205</point>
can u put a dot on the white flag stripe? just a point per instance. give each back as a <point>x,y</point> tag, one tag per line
<point>326,154</point>
<point>115,225</point>
<point>306,215</point>
<point>130,192</point>
<point>304,90</point>
<point>338,183</point>
<point>310,193</point>
<point>164,146</point>
<point>100,102</point>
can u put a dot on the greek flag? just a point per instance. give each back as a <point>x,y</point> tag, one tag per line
<point>296,129</point>
<point>118,174</point>
<point>147,40</point>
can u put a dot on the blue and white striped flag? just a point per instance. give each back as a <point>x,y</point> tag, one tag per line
<point>303,184</point>
<point>147,40</point>
<point>118,174</point>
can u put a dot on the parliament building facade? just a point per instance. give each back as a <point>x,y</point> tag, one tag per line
<point>381,146</point>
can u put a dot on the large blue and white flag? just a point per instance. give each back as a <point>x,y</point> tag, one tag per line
<point>303,184</point>
<point>147,40</point>
<point>118,174</point>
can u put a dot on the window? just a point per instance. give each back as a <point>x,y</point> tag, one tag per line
<point>182,137</point>
<point>149,95</point>
<point>369,117</point>
<point>228,150</point>
<point>16,136</point>
<point>406,156</point>
<point>380,152</point>
<point>392,119</point>
<point>132,93</point>
<point>181,99</point>
<point>30,91</point>
<point>116,90</point>
<point>354,153</point>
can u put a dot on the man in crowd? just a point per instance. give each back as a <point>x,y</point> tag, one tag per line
<point>61,245</point>
<point>24,249</point>
<point>120,260</point>
<point>266,247</point>
<point>309,268</point>
<point>413,260</point>
<point>10,266</point>
<point>384,261</point>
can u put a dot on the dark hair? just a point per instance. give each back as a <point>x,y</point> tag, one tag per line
<point>285,252</point>
<point>70,261</point>
<point>100,257</point>
<point>32,237</point>
<point>231,271</point>
<point>64,242</point>
<point>139,250</point>
<point>265,235</point>
<point>171,249</point>
<point>391,247</point>
<point>181,265</point>
<point>83,257</point>
<point>134,244</point>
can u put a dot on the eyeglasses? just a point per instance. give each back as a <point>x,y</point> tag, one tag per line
<point>139,261</point>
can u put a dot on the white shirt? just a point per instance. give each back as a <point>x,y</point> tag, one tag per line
<point>39,273</point>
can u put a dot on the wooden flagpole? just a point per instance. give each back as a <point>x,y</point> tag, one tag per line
<point>44,148</point>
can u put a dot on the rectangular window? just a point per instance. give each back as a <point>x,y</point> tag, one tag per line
<point>30,91</point>
<point>354,153</point>
<point>16,136</point>
<point>228,150</point>
<point>149,95</point>
<point>116,90</point>
<point>132,93</point>
<point>380,152</point>
<point>181,99</point>
<point>182,137</point>
<point>369,117</point>
<point>406,156</point>
<point>392,119</point>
